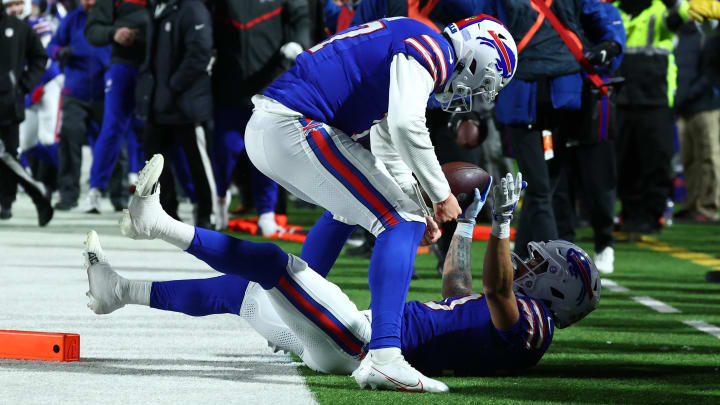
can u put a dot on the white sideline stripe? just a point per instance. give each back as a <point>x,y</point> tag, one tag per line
<point>613,286</point>
<point>704,327</point>
<point>656,305</point>
<point>207,167</point>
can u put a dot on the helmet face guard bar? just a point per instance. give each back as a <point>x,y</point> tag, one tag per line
<point>458,98</point>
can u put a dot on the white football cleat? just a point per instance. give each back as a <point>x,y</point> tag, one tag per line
<point>140,218</point>
<point>105,285</point>
<point>605,260</point>
<point>268,226</point>
<point>397,375</point>
<point>92,201</point>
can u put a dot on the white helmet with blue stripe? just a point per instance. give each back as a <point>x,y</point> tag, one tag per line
<point>562,276</point>
<point>487,60</point>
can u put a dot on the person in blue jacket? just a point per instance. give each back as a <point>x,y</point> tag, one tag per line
<point>546,95</point>
<point>83,93</point>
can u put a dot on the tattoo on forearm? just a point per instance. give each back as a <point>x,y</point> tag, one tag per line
<point>457,277</point>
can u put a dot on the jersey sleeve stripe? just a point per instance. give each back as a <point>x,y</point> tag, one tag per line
<point>541,329</point>
<point>531,321</point>
<point>438,55</point>
<point>426,55</point>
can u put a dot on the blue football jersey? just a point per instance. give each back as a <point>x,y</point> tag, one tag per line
<point>344,81</point>
<point>457,334</point>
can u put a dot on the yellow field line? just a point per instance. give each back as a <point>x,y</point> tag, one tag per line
<point>701,259</point>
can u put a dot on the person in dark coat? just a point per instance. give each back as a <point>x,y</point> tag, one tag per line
<point>175,97</point>
<point>22,63</point>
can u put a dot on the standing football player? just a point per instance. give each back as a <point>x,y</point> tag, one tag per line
<point>510,326</point>
<point>376,78</point>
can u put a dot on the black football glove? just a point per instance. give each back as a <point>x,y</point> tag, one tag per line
<point>64,53</point>
<point>602,53</point>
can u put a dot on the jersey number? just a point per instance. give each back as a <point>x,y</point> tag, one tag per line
<point>357,31</point>
<point>436,306</point>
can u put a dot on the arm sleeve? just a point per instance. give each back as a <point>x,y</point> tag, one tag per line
<point>298,22</point>
<point>197,37</point>
<point>410,87</point>
<point>382,147</point>
<point>36,58</point>
<point>99,28</point>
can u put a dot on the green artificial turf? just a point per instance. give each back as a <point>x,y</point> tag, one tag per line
<point>623,353</point>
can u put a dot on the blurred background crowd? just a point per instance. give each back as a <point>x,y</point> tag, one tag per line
<point>613,115</point>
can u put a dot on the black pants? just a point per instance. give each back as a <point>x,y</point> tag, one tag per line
<point>537,218</point>
<point>161,138</point>
<point>76,119</point>
<point>12,171</point>
<point>644,150</point>
<point>585,173</point>
<point>10,136</point>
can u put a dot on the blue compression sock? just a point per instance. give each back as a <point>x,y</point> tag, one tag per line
<point>324,243</point>
<point>391,267</point>
<point>264,263</point>
<point>217,295</point>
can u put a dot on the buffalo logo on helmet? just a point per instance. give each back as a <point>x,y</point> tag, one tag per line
<point>579,267</point>
<point>505,62</point>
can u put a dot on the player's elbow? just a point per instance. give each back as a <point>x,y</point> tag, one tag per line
<point>496,292</point>
<point>400,125</point>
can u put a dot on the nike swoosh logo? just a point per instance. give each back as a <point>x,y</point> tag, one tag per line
<point>199,27</point>
<point>417,387</point>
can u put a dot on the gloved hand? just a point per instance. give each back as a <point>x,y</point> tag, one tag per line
<point>466,221</point>
<point>505,198</point>
<point>63,54</point>
<point>291,50</point>
<point>603,53</point>
<point>700,10</point>
<point>37,94</point>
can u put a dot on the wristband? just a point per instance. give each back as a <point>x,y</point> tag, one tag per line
<point>500,230</point>
<point>465,228</point>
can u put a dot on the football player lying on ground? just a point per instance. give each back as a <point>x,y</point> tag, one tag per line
<point>296,309</point>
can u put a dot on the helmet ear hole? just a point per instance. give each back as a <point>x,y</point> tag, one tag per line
<point>473,66</point>
<point>557,293</point>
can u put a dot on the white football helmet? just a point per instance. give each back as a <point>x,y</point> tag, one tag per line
<point>486,61</point>
<point>562,276</point>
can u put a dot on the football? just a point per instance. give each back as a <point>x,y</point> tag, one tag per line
<point>463,178</point>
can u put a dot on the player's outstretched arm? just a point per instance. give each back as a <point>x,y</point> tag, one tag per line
<point>457,276</point>
<point>498,269</point>
<point>410,87</point>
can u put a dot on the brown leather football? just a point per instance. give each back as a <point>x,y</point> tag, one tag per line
<point>463,178</point>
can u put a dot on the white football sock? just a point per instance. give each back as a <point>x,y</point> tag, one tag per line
<point>136,292</point>
<point>385,355</point>
<point>175,232</point>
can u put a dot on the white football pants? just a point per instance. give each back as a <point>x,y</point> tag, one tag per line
<point>42,119</point>
<point>324,166</point>
<point>311,317</point>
